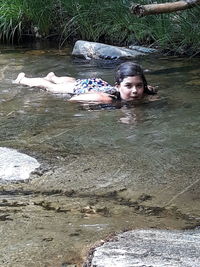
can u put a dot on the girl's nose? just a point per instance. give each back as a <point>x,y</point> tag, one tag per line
<point>134,89</point>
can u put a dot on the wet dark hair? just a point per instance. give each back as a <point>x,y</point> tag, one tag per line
<point>128,69</point>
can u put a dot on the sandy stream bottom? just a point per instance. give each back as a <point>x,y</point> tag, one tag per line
<point>63,211</point>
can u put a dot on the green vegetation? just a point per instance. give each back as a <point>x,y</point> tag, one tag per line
<point>108,21</point>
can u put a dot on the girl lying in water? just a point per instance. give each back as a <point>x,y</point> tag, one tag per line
<point>130,84</point>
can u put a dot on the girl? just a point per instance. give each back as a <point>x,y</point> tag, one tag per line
<point>130,84</point>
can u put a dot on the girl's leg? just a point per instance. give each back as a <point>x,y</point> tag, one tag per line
<point>66,88</point>
<point>58,80</point>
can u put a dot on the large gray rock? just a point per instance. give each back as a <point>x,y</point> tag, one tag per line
<point>15,165</point>
<point>155,248</point>
<point>142,49</point>
<point>89,50</point>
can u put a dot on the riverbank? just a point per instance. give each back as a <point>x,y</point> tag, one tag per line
<point>100,21</point>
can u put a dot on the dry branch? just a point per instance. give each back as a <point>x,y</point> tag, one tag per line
<point>143,10</point>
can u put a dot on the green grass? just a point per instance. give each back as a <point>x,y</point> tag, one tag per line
<point>10,20</point>
<point>108,21</point>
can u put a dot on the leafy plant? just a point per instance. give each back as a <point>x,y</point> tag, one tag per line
<point>10,19</point>
<point>108,21</point>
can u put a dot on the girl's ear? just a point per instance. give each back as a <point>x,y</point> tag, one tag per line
<point>117,86</point>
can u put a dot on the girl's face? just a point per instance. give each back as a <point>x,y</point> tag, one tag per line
<point>131,88</point>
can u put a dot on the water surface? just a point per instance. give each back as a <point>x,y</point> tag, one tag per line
<point>105,169</point>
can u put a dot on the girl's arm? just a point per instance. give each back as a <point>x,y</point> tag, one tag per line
<point>98,97</point>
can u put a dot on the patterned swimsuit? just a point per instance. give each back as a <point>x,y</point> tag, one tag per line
<point>83,86</point>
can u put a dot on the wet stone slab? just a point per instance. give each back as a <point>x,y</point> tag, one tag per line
<point>15,166</point>
<point>144,248</point>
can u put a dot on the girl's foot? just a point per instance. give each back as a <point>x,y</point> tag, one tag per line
<point>19,78</point>
<point>49,76</point>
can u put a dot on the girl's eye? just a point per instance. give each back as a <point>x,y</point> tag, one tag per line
<point>128,85</point>
<point>139,85</point>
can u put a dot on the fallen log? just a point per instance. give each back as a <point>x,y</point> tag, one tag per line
<point>144,10</point>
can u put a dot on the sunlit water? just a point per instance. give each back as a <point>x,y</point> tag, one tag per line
<point>164,133</point>
<point>143,146</point>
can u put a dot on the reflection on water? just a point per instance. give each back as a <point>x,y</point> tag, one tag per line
<point>159,131</point>
<point>134,149</point>
<point>163,134</point>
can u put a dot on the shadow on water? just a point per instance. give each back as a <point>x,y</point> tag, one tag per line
<point>104,168</point>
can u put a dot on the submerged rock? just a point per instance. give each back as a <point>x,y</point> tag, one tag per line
<point>89,50</point>
<point>150,248</point>
<point>15,165</point>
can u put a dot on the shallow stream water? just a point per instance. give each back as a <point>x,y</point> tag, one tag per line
<point>104,169</point>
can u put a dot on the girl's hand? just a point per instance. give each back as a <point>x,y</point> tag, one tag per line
<point>152,89</point>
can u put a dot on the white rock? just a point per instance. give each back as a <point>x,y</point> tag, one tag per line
<point>15,165</point>
<point>155,248</point>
